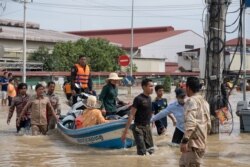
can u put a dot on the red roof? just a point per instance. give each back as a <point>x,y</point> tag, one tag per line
<point>142,36</point>
<point>171,67</point>
<point>234,42</point>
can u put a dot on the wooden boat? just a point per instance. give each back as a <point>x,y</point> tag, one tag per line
<point>107,135</point>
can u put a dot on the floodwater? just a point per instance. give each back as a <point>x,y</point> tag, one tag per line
<point>54,150</point>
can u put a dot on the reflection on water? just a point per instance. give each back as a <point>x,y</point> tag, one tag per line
<point>54,150</point>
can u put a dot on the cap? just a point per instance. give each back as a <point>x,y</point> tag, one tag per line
<point>180,92</point>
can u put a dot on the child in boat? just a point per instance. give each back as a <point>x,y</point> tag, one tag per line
<point>91,115</point>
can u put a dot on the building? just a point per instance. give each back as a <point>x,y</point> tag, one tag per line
<point>11,42</point>
<point>231,47</point>
<point>149,64</point>
<point>193,60</point>
<point>151,42</point>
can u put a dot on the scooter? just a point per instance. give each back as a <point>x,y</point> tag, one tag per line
<point>76,110</point>
<point>122,111</point>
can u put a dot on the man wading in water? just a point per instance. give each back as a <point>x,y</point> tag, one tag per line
<point>141,111</point>
<point>38,106</point>
<point>197,126</point>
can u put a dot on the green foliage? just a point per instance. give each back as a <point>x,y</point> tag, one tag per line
<point>167,84</point>
<point>134,68</point>
<point>102,56</point>
<point>42,55</point>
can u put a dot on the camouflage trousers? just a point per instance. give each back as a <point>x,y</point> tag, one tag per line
<point>192,158</point>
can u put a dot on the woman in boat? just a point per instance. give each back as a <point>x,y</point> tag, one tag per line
<point>109,94</point>
<point>91,115</point>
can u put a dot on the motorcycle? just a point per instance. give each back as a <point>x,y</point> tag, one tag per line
<point>122,111</point>
<point>68,120</point>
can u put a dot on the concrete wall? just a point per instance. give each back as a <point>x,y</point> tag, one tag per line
<point>169,47</point>
<point>150,65</point>
<point>14,48</point>
<point>236,62</point>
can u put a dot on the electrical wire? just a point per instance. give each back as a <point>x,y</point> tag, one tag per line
<point>128,16</point>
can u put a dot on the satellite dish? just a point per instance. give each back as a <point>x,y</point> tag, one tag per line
<point>1,51</point>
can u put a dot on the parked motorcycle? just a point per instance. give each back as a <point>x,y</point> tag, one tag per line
<point>122,111</point>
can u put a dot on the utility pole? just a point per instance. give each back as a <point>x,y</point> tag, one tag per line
<point>132,46</point>
<point>244,51</point>
<point>24,40</point>
<point>215,52</point>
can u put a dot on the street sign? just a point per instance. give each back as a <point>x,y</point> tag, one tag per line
<point>123,60</point>
<point>128,81</point>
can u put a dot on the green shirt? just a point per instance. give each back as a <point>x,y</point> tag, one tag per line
<point>108,98</point>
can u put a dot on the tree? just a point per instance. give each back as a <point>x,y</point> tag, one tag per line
<point>167,84</point>
<point>42,55</point>
<point>102,56</point>
<point>134,68</point>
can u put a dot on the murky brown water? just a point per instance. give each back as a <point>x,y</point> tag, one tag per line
<point>54,150</point>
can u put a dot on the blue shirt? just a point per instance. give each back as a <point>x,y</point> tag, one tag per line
<point>4,80</point>
<point>159,104</point>
<point>178,112</point>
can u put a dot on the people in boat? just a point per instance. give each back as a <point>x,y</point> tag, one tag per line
<point>177,109</point>
<point>38,106</point>
<point>80,74</point>
<point>67,89</point>
<point>91,115</point>
<point>109,95</point>
<point>141,113</point>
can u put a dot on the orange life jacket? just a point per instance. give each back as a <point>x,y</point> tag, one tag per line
<point>82,75</point>
<point>67,88</point>
<point>79,122</point>
<point>11,90</point>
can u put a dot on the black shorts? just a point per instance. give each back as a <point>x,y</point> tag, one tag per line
<point>177,137</point>
<point>24,124</point>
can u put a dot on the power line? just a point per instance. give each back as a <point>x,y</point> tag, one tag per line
<point>119,16</point>
<point>122,8</point>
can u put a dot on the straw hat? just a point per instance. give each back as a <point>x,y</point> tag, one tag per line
<point>113,76</point>
<point>91,102</point>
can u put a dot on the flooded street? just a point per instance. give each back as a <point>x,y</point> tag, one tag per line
<point>54,150</point>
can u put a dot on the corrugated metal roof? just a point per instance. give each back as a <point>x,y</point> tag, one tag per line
<point>142,36</point>
<point>234,42</point>
<point>16,33</point>
<point>18,23</point>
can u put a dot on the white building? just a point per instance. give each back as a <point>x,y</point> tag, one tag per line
<point>150,42</point>
<point>235,60</point>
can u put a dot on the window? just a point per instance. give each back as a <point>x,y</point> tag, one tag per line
<point>189,46</point>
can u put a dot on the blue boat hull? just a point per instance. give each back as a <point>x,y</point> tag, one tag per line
<point>106,135</point>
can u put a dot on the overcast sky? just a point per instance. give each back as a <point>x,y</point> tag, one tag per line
<point>74,15</point>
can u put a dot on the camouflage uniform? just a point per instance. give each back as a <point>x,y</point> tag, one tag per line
<point>54,100</point>
<point>197,126</point>
<point>38,107</point>
<point>18,103</point>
